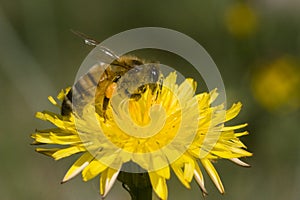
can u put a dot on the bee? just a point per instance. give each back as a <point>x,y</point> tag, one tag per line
<point>129,75</point>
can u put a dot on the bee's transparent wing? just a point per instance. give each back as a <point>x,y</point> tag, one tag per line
<point>94,75</point>
<point>87,40</point>
<point>92,42</point>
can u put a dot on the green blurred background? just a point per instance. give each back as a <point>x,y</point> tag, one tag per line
<point>255,44</point>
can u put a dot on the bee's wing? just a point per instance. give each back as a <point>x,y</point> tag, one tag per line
<point>92,42</point>
<point>87,40</point>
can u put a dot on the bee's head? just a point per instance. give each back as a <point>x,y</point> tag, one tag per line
<point>136,79</point>
<point>145,72</point>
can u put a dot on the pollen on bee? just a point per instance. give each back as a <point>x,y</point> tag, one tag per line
<point>110,90</point>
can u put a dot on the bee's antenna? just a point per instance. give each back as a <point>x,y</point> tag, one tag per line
<point>87,40</point>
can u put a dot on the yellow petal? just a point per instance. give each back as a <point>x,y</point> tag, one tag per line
<point>93,169</point>
<point>42,138</point>
<point>57,120</point>
<point>78,166</point>
<point>240,152</point>
<point>52,100</point>
<point>63,93</point>
<point>62,153</point>
<point>229,128</point>
<point>233,111</point>
<point>170,80</point>
<point>186,90</point>
<point>188,171</point>
<point>164,172</point>
<point>213,174</point>
<point>159,185</point>
<point>199,178</point>
<point>107,180</point>
<point>239,162</point>
<point>179,173</point>
<point>241,134</point>
<point>189,166</point>
<point>213,95</point>
<point>157,162</point>
<point>66,139</point>
<point>184,169</point>
<point>47,152</point>
<point>51,136</point>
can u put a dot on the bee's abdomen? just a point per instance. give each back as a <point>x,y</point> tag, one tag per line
<point>86,89</point>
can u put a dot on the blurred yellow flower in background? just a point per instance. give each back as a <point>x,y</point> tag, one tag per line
<point>276,85</point>
<point>105,150</point>
<point>241,20</point>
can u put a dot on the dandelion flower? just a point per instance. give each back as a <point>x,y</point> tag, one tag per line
<point>275,85</point>
<point>176,130</point>
<point>241,20</point>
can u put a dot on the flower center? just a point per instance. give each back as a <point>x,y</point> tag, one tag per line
<point>144,125</point>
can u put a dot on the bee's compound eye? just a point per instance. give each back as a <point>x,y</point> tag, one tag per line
<point>154,75</point>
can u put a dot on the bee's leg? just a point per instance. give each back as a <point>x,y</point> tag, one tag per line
<point>104,108</point>
<point>160,83</point>
<point>156,87</point>
<point>108,94</point>
<point>110,90</point>
<point>152,87</point>
<point>105,103</point>
<point>142,89</point>
<point>135,96</point>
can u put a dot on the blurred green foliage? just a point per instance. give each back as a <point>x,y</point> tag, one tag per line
<point>39,56</point>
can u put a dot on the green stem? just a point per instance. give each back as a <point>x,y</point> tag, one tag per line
<point>137,184</point>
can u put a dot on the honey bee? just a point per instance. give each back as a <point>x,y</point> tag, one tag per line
<point>129,75</point>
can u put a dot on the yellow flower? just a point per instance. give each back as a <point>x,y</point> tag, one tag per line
<point>276,85</point>
<point>174,130</point>
<point>241,20</point>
